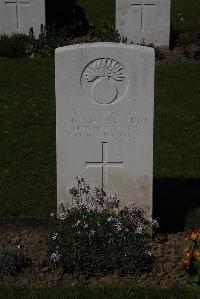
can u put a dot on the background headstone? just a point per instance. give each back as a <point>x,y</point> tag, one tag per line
<point>104,112</point>
<point>144,21</point>
<point>18,16</point>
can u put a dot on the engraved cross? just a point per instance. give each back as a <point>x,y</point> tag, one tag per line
<point>143,6</point>
<point>104,164</point>
<point>17,4</point>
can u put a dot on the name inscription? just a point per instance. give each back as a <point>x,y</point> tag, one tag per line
<point>126,124</point>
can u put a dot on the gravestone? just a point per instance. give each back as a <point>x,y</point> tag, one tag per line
<point>144,21</point>
<point>104,112</point>
<point>18,16</point>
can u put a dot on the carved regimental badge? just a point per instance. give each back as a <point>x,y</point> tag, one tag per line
<point>104,80</point>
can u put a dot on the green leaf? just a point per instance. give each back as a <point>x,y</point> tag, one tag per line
<point>194,279</point>
<point>181,271</point>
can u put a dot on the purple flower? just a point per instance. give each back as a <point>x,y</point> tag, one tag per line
<point>113,200</point>
<point>98,193</point>
<point>82,205</point>
<point>132,208</point>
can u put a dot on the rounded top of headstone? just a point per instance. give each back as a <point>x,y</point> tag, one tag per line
<point>105,45</point>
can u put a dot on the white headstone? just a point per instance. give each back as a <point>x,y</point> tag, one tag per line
<point>18,16</point>
<point>104,112</point>
<point>144,21</point>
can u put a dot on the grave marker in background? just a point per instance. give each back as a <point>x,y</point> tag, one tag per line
<point>18,16</point>
<point>144,21</point>
<point>104,112</point>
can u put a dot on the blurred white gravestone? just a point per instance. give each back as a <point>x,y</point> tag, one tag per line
<point>144,21</point>
<point>104,113</point>
<point>18,16</point>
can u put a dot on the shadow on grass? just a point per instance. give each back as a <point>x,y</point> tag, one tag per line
<point>177,203</point>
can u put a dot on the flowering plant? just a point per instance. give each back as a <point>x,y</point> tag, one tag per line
<point>94,236</point>
<point>190,259</point>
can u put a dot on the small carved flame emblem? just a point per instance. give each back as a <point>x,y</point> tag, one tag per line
<point>104,80</point>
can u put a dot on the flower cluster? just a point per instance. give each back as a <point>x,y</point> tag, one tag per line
<point>118,237</point>
<point>190,258</point>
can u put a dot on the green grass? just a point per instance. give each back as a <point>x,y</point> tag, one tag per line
<point>27,137</point>
<point>27,145</point>
<point>96,293</point>
<point>101,10</point>
<point>177,114</point>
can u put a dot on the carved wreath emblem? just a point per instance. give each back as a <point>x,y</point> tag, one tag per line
<point>104,80</point>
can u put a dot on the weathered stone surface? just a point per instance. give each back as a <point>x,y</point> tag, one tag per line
<point>18,16</point>
<point>104,111</point>
<point>144,21</point>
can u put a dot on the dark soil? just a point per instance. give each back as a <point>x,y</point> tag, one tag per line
<point>28,233</point>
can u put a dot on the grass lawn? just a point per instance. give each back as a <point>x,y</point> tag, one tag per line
<point>27,137</point>
<point>96,293</point>
<point>27,145</point>
<point>184,14</point>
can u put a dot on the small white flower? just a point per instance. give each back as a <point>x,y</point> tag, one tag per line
<point>148,253</point>
<point>85,225</point>
<point>153,222</point>
<point>77,223</point>
<point>52,215</point>
<point>139,230</point>
<point>55,257</point>
<point>54,236</point>
<point>92,232</point>
<point>118,226</point>
<point>18,246</point>
<point>111,218</point>
<point>181,19</point>
<point>62,216</point>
